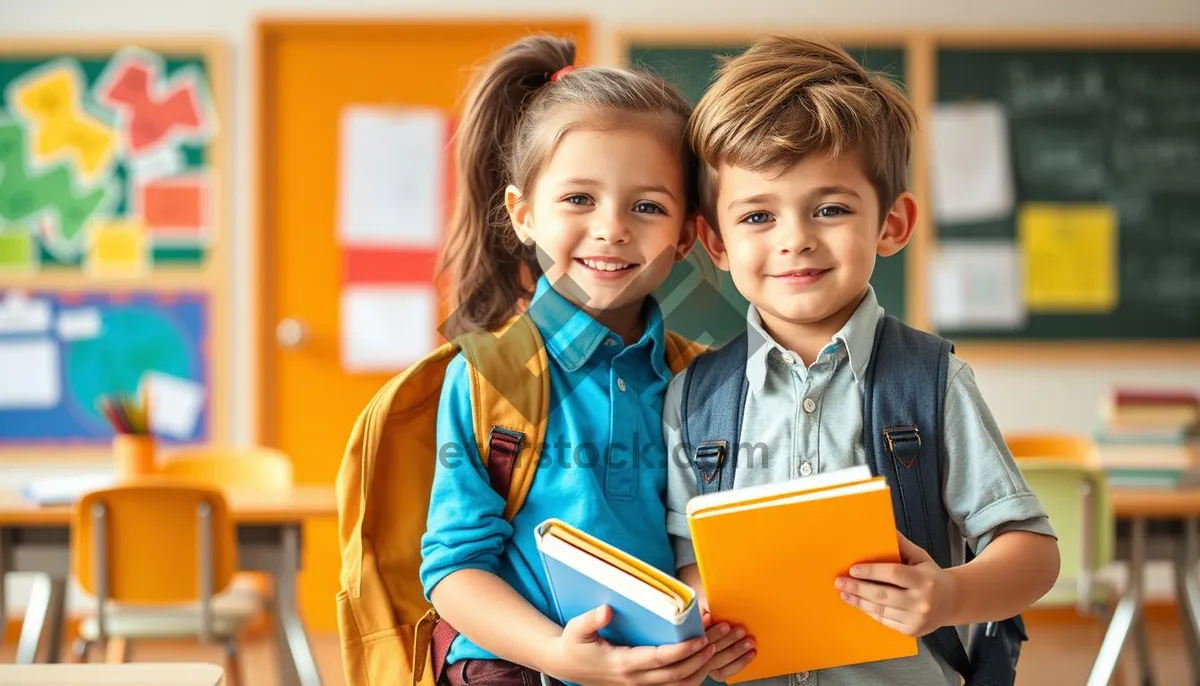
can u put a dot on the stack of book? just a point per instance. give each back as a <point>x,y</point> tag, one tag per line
<point>1150,439</point>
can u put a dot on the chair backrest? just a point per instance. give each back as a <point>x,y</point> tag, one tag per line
<point>153,542</point>
<point>1075,496</point>
<point>1058,447</point>
<point>254,467</point>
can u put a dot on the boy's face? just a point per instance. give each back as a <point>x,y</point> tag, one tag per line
<point>801,244</point>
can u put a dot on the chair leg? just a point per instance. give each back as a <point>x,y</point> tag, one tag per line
<point>117,650</point>
<point>233,667</point>
<point>80,650</point>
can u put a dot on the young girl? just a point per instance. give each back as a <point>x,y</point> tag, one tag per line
<point>574,196</point>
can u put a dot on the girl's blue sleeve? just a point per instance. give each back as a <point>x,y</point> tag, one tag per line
<point>466,528</point>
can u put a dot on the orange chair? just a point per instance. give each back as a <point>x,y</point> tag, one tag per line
<point>256,467</point>
<point>156,554</point>
<point>1065,447</point>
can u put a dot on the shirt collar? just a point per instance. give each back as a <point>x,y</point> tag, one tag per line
<point>857,335</point>
<point>572,336</point>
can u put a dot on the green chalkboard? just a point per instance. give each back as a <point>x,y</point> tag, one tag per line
<point>1119,127</point>
<point>701,301</point>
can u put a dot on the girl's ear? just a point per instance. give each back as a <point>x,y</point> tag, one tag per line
<point>711,238</point>
<point>518,214</point>
<point>687,239</point>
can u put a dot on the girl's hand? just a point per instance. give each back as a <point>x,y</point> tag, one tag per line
<point>733,653</point>
<point>581,656</point>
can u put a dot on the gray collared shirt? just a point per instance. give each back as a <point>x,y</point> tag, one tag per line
<point>808,419</point>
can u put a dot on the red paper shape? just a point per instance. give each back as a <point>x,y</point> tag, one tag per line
<point>154,111</point>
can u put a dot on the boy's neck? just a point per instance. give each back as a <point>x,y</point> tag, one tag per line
<point>808,339</point>
<point>625,321</point>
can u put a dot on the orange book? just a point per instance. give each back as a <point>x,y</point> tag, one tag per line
<point>769,556</point>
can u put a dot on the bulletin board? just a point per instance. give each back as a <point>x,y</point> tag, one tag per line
<point>1057,176</point>
<point>699,300</point>
<point>112,259</point>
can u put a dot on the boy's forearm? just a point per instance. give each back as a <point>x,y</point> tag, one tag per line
<point>481,606</point>
<point>988,590</point>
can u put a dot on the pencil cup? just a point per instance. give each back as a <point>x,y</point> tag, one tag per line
<point>133,455</point>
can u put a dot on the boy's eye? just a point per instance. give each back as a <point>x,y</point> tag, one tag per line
<point>756,218</point>
<point>831,211</point>
<point>647,207</point>
<point>577,199</point>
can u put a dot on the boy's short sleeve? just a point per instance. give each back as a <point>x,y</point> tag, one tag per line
<point>985,493</point>
<point>681,484</point>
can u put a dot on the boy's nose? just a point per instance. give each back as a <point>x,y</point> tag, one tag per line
<point>796,239</point>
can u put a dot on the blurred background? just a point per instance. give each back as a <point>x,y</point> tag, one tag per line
<point>227,212</point>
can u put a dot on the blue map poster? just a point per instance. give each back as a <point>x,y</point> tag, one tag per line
<point>61,352</point>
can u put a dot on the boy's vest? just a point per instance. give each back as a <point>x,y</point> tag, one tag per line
<point>903,404</point>
<point>386,628</point>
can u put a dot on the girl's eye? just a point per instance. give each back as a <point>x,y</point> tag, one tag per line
<point>647,207</point>
<point>578,199</point>
<point>831,211</point>
<point>756,218</point>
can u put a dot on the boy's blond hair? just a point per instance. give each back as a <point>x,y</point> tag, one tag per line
<point>786,98</point>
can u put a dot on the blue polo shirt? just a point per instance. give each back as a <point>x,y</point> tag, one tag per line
<point>603,468</point>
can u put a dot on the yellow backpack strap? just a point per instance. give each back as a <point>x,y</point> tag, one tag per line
<point>510,398</point>
<point>681,351</point>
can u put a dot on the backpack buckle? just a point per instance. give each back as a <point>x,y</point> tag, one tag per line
<point>709,458</point>
<point>908,440</point>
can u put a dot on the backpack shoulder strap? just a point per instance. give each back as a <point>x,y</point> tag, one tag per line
<point>510,396</point>
<point>712,402</point>
<point>681,351</point>
<point>903,412</point>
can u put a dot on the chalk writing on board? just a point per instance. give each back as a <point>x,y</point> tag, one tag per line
<point>1070,160</point>
<point>1033,90</point>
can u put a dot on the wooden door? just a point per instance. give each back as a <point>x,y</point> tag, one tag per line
<point>309,72</point>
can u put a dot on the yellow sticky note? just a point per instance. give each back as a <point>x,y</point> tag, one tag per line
<point>1070,257</point>
<point>118,247</point>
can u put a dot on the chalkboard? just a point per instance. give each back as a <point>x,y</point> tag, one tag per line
<point>63,351</point>
<point>1116,127</point>
<point>699,300</point>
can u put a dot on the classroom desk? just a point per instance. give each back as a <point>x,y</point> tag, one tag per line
<point>37,539</point>
<point>133,674</point>
<point>1153,524</point>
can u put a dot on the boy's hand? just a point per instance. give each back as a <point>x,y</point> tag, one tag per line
<point>581,656</point>
<point>914,598</point>
<point>733,653</point>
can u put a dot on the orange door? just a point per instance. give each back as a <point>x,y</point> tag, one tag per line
<point>308,73</point>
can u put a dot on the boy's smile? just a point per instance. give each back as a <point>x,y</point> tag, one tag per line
<point>801,243</point>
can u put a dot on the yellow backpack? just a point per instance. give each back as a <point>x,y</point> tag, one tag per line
<point>383,484</point>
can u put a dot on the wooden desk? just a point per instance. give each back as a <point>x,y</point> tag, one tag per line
<point>1178,511</point>
<point>37,539</point>
<point>134,674</point>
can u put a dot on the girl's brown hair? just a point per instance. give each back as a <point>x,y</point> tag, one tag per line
<point>514,116</point>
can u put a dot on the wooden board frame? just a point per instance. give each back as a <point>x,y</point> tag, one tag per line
<point>213,278</point>
<point>921,46</point>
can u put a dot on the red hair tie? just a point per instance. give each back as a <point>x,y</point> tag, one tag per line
<point>562,72</point>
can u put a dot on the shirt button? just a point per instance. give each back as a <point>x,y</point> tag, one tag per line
<point>802,677</point>
<point>610,342</point>
<point>806,469</point>
<point>621,384</point>
<point>788,359</point>
<point>810,405</point>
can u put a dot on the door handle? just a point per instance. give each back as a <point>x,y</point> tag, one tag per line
<point>291,333</point>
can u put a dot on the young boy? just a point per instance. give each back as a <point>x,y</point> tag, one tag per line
<point>803,162</point>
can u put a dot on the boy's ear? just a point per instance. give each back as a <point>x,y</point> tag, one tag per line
<point>713,243</point>
<point>518,214</point>
<point>687,239</point>
<point>898,225</point>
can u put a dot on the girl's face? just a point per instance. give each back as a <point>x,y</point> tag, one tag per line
<point>608,213</point>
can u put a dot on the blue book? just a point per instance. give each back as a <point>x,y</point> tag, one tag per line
<point>649,607</point>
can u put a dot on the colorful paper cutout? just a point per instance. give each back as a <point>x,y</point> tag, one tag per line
<point>155,110</point>
<point>175,207</point>
<point>49,197</point>
<point>18,251</point>
<point>118,248</point>
<point>49,98</point>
